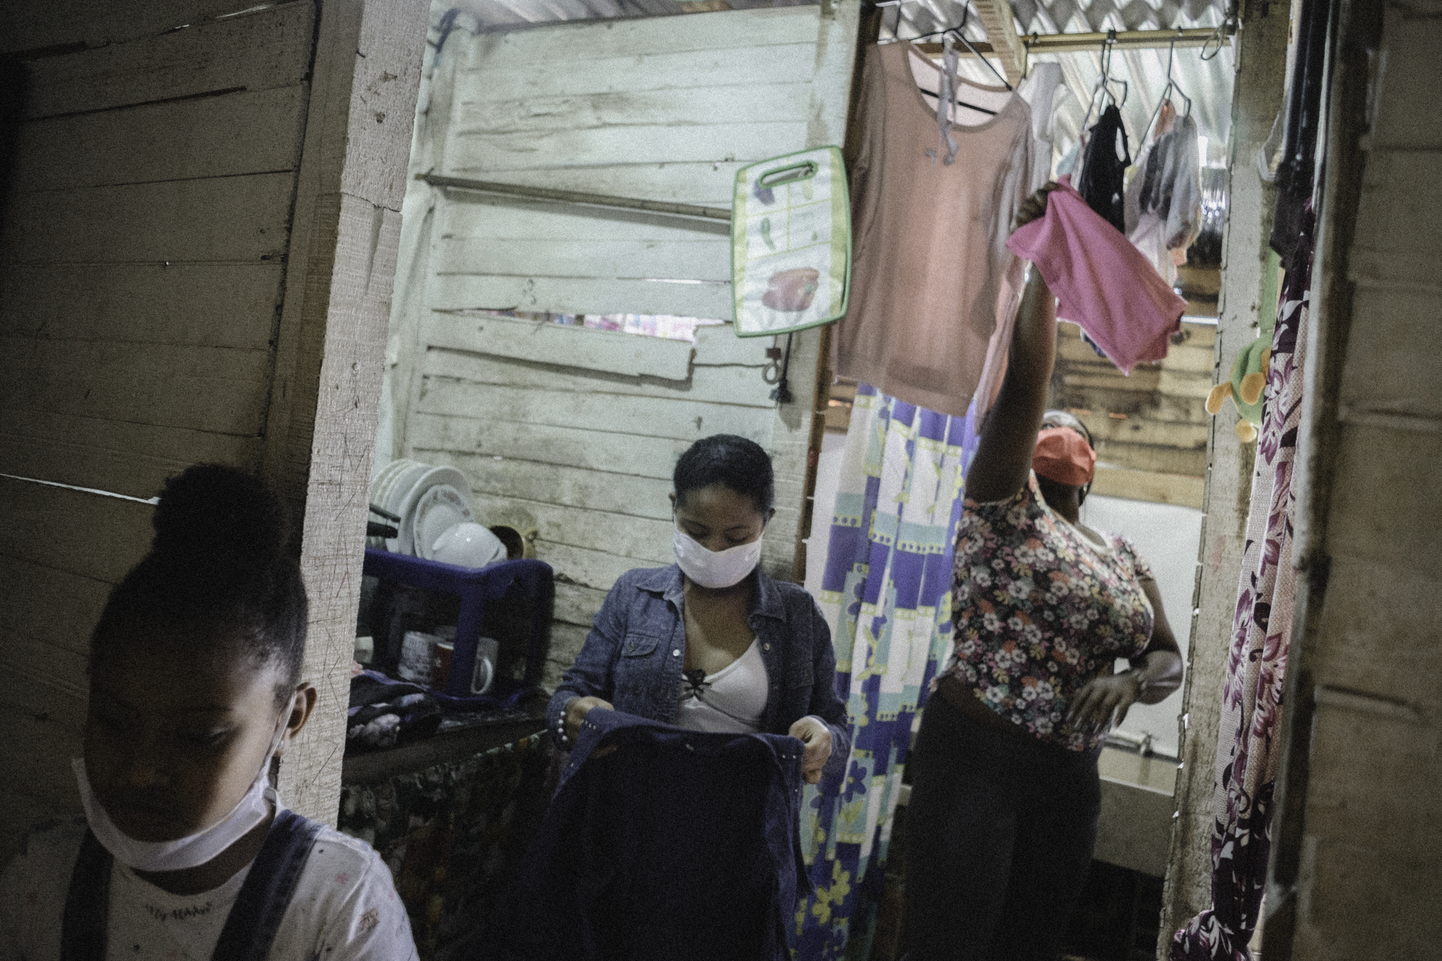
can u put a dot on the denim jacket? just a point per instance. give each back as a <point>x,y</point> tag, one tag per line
<point>634,655</point>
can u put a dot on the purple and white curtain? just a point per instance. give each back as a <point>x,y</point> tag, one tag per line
<point>1249,746</point>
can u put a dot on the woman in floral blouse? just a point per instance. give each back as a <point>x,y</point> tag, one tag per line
<point>1005,793</point>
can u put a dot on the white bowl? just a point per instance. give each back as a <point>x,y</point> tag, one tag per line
<point>405,501</point>
<point>468,544</point>
<point>439,509</point>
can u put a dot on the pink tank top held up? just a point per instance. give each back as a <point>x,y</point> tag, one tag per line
<point>1101,281</point>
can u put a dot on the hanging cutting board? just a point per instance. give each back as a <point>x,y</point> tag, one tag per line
<point>790,243</point>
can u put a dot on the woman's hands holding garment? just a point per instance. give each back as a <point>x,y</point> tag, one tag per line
<point>817,738</point>
<point>1034,206</point>
<point>576,710</point>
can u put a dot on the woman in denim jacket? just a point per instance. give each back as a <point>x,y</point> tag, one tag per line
<point>711,643</point>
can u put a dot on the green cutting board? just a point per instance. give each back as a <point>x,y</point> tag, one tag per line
<point>790,243</point>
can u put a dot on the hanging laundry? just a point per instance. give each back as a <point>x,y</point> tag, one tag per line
<point>931,272</point>
<point>1100,280</point>
<point>1043,90</point>
<point>1184,211</point>
<point>1163,200</point>
<point>1305,106</point>
<point>1157,142</point>
<point>1104,165</point>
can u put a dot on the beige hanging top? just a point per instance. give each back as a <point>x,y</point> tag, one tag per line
<point>931,273</point>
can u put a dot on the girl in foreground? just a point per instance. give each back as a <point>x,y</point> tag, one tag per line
<point>195,687</point>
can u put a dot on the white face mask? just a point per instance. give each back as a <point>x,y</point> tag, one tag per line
<point>190,851</point>
<point>715,569</point>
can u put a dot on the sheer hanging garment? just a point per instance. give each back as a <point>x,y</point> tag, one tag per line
<point>931,273</point>
<point>1043,90</point>
<point>1164,196</point>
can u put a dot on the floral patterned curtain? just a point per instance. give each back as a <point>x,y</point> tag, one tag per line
<point>1248,746</point>
<point>886,592</point>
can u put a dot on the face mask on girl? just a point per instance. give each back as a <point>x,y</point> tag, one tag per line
<point>715,569</point>
<point>194,849</point>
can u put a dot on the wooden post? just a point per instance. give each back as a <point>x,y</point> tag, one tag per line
<point>794,428</point>
<point>330,346</point>
<point>868,27</point>
<point>1260,79</point>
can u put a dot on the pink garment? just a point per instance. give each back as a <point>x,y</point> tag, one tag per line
<point>1101,281</point>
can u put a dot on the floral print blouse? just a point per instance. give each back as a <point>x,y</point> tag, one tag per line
<point>1040,609</point>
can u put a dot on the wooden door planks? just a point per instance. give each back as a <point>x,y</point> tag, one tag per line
<point>736,383</point>
<point>483,112</point>
<point>443,437</point>
<point>610,492</point>
<point>574,438</point>
<point>194,388</point>
<point>60,607</point>
<point>617,414</point>
<point>47,25</point>
<point>262,50</point>
<point>129,458</point>
<point>224,136</point>
<point>215,305</point>
<point>99,538</point>
<point>549,343</point>
<point>219,219</point>
<point>707,183</point>
<point>587,41</point>
<point>537,293</point>
<point>148,233</point>
<point>694,259</point>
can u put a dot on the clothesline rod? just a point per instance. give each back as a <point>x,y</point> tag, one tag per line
<point>1089,42</point>
<point>577,197</point>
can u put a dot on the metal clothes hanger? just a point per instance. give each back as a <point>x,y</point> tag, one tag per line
<point>966,12</point>
<point>1104,81</point>
<point>958,32</point>
<point>1171,87</point>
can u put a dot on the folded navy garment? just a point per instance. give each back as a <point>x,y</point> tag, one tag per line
<point>662,843</point>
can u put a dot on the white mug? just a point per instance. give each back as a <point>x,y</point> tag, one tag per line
<point>484,674</point>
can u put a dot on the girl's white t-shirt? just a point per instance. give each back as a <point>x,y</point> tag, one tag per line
<point>345,907</point>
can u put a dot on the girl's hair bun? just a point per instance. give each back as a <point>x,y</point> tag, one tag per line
<point>213,516</point>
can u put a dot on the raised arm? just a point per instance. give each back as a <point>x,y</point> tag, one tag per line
<point>1003,456</point>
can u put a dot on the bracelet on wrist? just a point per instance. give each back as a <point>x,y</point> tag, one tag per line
<point>1138,675</point>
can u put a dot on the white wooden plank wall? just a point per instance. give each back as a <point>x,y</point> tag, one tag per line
<point>147,232</point>
<point>577,431</point>
<point>141,271</point>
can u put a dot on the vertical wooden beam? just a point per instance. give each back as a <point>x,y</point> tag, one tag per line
<point>330,345</point>
<point>796,426</point>
<point>1000,25</point>
<point>868,28</point>
<point>1259,89</point>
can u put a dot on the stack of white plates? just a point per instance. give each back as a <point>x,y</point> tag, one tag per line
<point>429,500</point>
